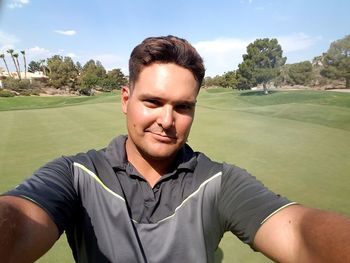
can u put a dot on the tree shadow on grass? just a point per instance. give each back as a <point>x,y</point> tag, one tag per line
<point>256,93</point>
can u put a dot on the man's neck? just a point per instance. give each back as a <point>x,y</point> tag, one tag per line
<point>151,169</point>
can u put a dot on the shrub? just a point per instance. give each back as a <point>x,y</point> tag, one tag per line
<point>6,93</point>
<point>87,91</point>
<point>24,87</point>
<point>37,84</point>
<point>16,84</point>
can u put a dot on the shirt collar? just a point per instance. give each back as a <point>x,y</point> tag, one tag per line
<point>116,155</point>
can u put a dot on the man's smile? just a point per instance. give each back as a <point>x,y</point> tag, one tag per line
<point>163,136</point>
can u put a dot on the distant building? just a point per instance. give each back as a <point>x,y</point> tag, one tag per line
<point>30,75</point>
<point>37,75</point>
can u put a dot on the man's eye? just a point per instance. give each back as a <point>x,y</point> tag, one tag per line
<point>184,107</point>
<point>151,103</point>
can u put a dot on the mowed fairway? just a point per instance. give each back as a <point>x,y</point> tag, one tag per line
<point>296,142</point>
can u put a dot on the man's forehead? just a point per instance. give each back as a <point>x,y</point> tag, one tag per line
<point>143,71</point>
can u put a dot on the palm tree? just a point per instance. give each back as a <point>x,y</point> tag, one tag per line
<point>7,68</point>
<point>43,66</point>
<point>10,51</point>
<point>25,63</point>
<point>15,55</point>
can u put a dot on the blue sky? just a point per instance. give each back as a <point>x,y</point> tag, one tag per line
<point>107,30</point>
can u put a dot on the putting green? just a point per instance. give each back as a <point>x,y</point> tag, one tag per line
<point>297,143</point>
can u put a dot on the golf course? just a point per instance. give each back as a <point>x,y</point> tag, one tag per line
<point>295,142</point>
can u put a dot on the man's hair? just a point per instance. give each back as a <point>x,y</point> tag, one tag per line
<point>165,49</point>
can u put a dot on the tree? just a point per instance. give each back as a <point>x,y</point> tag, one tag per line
<point>10,51</point>
<point>318,61</point>
<point>114,79</point>
<point>95,68</point>
<point>92,74</point>
<point>34,66</point>
<point>261,64</point>
<point>25,63</point>
<point>244,76</point>
<point>62,71</point>
<point>337,61</point>
<point>101,71</point>
<point>300,73</point>
<point>43,66</point>
<point>229,80</point>
<point>79,67</point>
<point>15,55</point>
<point>7,68</point>
<point>212,81</point>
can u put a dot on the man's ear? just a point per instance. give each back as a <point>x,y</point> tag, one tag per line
<point>125,95</point>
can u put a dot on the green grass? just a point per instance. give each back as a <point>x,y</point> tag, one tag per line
<point>34,102</point>
<point>296,142</point>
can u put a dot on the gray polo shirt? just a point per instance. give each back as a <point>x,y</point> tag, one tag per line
<point>111,214</point>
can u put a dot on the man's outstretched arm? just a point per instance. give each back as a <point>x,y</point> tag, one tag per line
<point>27,231</point>
<point>300,234</point>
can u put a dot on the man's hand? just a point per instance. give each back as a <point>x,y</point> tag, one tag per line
<point>27,231</point>
<point>300,234</point>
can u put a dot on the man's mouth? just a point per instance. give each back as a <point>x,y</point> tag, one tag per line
<point>163,134</point>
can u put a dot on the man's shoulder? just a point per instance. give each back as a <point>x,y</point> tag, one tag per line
<point>87,159</point>
<point>203,159</point>
<point>204,162</point>
<point>86,156</point>
<point>206,167</point>
<point>93,155</point>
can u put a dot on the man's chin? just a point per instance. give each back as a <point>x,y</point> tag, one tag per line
<point>160,156</point>
<point>160,153</point>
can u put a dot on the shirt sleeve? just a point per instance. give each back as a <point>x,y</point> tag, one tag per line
<point>244,203</point>
<point>51,187</point>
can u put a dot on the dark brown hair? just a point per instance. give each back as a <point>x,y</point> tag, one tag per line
<point>165,49</point>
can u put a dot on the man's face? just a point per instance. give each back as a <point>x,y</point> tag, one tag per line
<point>159,110</point>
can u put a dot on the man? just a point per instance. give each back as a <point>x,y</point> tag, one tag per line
<point>148,197</point>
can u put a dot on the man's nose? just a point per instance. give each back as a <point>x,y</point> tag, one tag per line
<point>166,118</point>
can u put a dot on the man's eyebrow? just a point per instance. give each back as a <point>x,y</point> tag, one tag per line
<point>154,97</point>
<point>187,102</point>
<point>150,96</point>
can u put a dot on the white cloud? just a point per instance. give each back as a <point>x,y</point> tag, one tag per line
<point>72,55</point>
<point>7,41</point>
<point>66,32</point>
<point>17,4</point>
<point>300,47</point>
<point>4,48</point>
<point>222,55</point>
<point>297,42</point>
<point>38,50</point>
<point>37,53</point>
<point>111,61</point>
